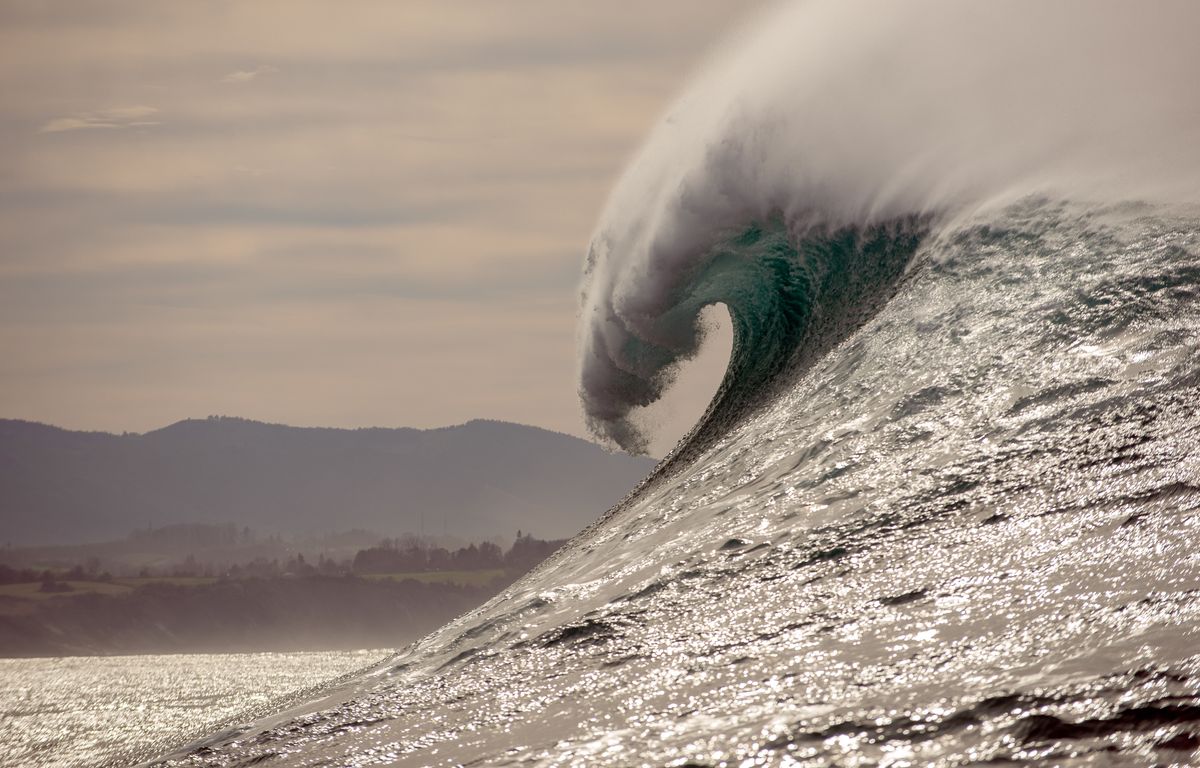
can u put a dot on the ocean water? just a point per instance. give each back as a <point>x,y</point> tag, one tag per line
<point>965,535</point>
<point>945,508</point>
<point>108,711</point>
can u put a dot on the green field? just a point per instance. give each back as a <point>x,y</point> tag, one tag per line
<point>18,599</point>
<point>32,590</point>
<point>179,581</point>
<point>459,578</point>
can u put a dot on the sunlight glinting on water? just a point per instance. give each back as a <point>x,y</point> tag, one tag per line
<point>91,711</point>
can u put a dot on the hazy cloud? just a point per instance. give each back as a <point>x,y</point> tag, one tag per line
<point>114,117</point>
<point>246,75</point>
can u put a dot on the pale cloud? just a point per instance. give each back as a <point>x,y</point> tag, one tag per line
<point>246,75</point>
<point>114,117</point>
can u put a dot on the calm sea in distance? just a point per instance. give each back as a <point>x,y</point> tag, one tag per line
<point>103,710</point>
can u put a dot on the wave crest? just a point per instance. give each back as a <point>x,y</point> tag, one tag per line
<point>838,119</point>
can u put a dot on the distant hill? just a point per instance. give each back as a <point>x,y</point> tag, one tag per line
<point>477,480</point>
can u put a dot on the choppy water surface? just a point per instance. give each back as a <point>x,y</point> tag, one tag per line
<point>94,711</point>
<point>967,535</point>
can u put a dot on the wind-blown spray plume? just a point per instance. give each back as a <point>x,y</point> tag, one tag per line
<point>834,121</point>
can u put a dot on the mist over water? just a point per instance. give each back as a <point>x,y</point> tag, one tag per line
<point>825,115</point>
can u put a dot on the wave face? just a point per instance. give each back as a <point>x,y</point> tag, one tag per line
<point>946,506</point>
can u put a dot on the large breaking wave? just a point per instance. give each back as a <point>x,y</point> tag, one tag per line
<point>945,507</point>
<point>779,177</point>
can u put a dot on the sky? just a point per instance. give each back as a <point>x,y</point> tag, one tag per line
<point>313,213</point>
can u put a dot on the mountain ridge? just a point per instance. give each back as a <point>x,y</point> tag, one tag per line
<point>481,478</point>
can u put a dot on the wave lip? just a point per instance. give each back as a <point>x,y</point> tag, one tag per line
<point>837,114</point>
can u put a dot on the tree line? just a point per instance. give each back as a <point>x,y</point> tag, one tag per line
<point>390,556</point>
